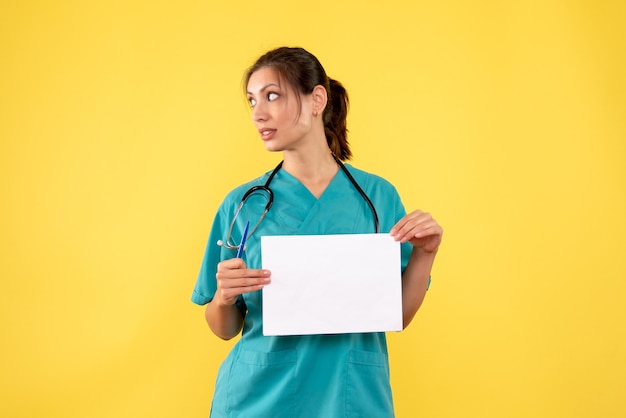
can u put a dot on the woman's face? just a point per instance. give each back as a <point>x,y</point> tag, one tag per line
<point>282,122</point>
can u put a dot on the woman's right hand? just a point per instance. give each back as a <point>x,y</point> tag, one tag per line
<point>234,279</point>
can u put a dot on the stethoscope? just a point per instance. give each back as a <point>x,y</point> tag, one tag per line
<point>270,200</point>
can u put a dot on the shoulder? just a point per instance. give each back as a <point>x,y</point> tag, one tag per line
<point>370,180</point>
<point>235,195</point>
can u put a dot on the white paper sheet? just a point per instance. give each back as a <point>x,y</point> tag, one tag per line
<point>329,284</point>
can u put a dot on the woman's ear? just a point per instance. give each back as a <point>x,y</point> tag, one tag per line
<point>320,98</point>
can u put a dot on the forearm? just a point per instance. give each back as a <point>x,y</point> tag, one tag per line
<point>415,283</point>
<point>224,320</point>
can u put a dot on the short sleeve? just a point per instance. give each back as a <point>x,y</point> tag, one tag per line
<point>206,284</point>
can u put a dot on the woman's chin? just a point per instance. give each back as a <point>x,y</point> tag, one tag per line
<point>271,147</point>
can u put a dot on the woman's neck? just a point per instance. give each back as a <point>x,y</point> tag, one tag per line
<point>315,168</point>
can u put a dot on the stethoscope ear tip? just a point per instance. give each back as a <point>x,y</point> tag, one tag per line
<point>220,242</point>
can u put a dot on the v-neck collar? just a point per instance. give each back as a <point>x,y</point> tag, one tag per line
<point>297,211</point>
<point>306,189</point>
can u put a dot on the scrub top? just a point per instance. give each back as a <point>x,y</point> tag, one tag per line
<point>342,375</point>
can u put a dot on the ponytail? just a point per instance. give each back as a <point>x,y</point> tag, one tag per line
<point>335,115</point>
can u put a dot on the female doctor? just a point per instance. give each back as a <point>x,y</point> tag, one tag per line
<point>299,111</point>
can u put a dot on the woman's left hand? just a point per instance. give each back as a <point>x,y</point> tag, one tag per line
<point>420,229</point>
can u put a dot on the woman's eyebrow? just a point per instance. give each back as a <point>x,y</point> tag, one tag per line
<point>267,86</point>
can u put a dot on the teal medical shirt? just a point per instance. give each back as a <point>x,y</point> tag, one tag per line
<point>344,375</point>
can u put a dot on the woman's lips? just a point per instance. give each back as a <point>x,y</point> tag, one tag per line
<point>267,134</point>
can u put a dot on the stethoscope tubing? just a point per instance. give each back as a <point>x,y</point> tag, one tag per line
<point>266,188</point>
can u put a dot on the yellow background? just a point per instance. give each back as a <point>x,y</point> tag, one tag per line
<point>122,126</point>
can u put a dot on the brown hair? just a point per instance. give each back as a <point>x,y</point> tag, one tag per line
<point>303,71</point>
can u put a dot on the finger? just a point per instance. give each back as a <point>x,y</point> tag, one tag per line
<point>423,229</point>
<point>405,219</point>
<point>241,273</point>
<point>427,229</point>
<point>411,226</point>
<point>231,294</point>
<point>230,289</point>
<point>234,283</point>
<point>237,268</point>
<point>411,219</point>
<point>231,264</point>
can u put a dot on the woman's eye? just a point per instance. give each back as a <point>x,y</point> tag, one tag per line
<point>272,96</point>
<point>252,102</point>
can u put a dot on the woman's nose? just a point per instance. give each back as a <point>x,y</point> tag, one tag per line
<point>259,112</point>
